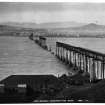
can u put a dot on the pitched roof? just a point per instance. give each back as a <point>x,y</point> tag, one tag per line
<point>28,79</point>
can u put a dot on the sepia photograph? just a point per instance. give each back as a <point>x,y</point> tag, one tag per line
<point>52,52</point>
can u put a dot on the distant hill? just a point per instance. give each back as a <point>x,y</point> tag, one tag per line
<point>57,25</point>
<point>61,24</point>
<point>21,25</point>
<point>45,25</point>
<point>60,28</point>
<point>6,30</point>
<point>91,26</point>
<point>87,30</point>
<point>12,28</point>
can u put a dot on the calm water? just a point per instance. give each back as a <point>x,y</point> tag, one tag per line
<point>22,56</point>
<point>19,55</point>
<point>96,44</point>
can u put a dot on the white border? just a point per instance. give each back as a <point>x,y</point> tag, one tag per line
<point>90,1</point>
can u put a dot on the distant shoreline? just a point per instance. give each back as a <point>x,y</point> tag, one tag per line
<point>57,36</point>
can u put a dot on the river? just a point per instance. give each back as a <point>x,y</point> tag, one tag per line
<point>95,44</point>
<point>19,55</point>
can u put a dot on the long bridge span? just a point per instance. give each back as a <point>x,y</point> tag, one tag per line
<point>82,59</point>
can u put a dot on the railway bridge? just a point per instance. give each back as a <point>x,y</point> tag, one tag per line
<point>82,59</point>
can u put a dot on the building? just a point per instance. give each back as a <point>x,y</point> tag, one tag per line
<point>27,87</point>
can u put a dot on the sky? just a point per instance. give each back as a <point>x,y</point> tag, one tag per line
<point>45,12</point>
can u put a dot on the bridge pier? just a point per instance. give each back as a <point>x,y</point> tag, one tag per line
<point>83,59</point>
